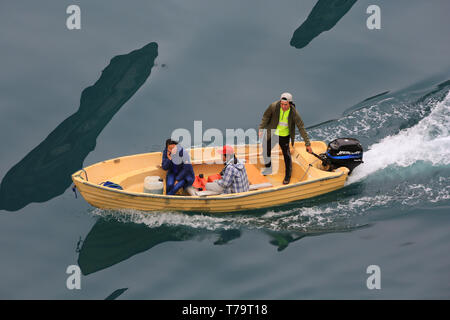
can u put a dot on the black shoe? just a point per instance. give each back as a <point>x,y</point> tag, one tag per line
<point>288,172</point>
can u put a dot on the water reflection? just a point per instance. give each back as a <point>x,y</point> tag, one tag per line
<point>110,242</point>
<point>226,236</point>
<point>116,294</point>
<point>282,239</point>
<point>323,17</point>
<point>44,173</point>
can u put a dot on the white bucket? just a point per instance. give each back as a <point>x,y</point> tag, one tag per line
<point>153,185</point>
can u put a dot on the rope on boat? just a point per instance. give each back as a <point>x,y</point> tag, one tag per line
<point>310,165</point>
<point>85,173</point>
<point>74,187</point>
<point>79,175</point>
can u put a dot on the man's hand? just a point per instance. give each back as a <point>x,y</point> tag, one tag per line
<point>169,155</point>
<point>260,133</point>
<point>309,149</point>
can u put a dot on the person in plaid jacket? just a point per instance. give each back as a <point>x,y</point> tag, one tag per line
<point>234,176</point>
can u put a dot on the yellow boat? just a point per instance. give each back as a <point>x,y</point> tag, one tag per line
<point>308,180</point>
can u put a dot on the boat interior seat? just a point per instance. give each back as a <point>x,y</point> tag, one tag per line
<point>255,177</point>
<point>252,187</point>
<point>260,186</point>
<point>205,193</point>
<point>146,171</point>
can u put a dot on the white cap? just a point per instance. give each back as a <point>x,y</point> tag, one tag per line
<point>286,96</point>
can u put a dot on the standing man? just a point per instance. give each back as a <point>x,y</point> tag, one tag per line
<point>282,116</point>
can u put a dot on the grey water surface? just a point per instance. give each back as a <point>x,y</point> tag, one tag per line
<point>136,71</point>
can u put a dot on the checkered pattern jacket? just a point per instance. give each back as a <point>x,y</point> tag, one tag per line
<point>234,178</point>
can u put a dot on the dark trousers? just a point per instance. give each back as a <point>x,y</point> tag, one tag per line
<point>171,187</point>
<point>284,145</point>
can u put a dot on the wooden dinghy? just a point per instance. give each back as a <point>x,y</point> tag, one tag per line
<point>308,180</point>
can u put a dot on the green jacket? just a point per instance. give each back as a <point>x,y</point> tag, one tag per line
<point>272,115</point>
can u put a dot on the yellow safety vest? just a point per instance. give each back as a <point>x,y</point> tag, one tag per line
<point>282,127</point>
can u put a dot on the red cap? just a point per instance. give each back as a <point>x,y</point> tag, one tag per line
<point>226,150</point>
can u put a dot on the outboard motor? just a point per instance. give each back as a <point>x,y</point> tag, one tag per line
<point>342,152</point>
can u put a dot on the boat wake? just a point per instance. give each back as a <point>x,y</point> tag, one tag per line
<point>427,141</point>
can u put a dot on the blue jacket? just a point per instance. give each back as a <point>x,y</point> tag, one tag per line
<point>180,165</point>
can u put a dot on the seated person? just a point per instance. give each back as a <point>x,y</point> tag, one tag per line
<point>177,162</point>
<point>234,176</point>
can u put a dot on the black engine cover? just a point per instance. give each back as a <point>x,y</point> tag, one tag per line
<point>344,152</point>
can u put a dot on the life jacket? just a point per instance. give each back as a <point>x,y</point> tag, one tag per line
<point>214,177</point>
<point>200,182</point>
<point>282,127</point>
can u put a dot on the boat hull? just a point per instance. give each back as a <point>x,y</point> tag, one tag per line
<point>117,199</point>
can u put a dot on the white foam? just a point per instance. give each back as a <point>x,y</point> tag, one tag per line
<point>158,219</point>
<point>428,141</point>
